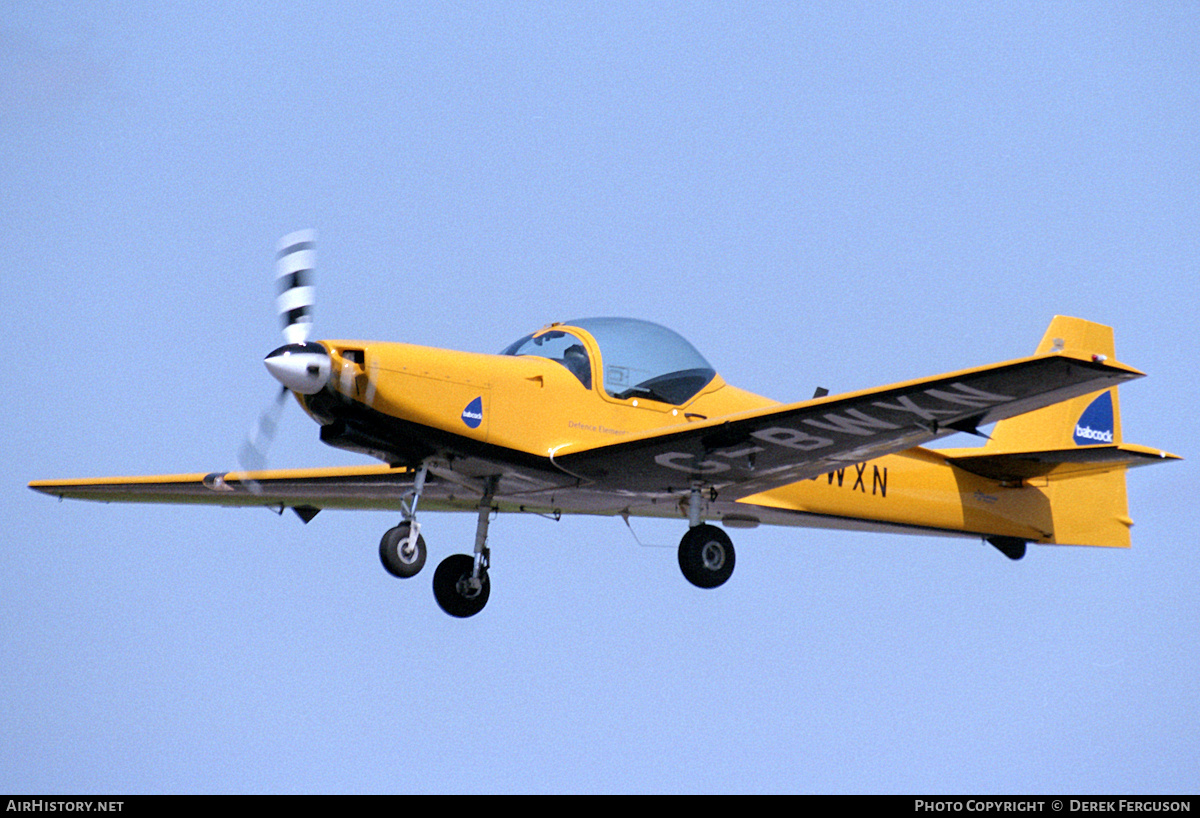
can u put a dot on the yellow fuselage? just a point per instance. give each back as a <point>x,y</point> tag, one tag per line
<point>535,406</point>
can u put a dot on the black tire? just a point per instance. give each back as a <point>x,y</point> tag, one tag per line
<point>450,589</point>
<point>397,563</point>
<point>706,556</point>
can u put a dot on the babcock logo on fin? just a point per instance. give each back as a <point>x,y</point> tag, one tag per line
<point>473,414</point>
<point>1096,423</point>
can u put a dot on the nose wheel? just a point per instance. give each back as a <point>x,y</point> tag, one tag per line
<point>402,550</point>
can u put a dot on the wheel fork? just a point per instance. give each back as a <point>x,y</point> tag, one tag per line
<point>409,511</point>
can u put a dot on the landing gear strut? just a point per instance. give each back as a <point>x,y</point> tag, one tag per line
<point>402,549</point>
<point>460,583</point>
<point>706,554</point>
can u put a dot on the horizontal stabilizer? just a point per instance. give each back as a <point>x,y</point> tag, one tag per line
<point>1017,466</point>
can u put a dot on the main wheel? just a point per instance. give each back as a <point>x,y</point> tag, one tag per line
<point>452,586</point>
<point>706,556</point>
<point>393,556</point>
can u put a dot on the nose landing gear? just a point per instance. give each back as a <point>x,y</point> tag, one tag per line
<point>402,550</point>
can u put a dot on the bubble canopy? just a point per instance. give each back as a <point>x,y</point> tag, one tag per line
<point>639,359</point>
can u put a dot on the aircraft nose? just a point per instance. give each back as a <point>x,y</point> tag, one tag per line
<point>302,368</point>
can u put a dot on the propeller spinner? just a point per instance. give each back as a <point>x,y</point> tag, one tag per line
<point>302,368</point>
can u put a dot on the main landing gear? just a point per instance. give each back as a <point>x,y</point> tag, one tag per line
<point>458,591</point>
<point>706,554</point>
<point>460,583</point>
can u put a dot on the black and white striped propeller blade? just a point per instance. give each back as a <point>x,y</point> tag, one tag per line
<point>294,267</point>
<point>300,365</point>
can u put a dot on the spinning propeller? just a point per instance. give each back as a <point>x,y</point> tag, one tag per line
<point>300,365</point>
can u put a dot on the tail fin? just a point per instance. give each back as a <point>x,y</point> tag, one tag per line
<point>1082,421</point>
<point>1073,451</point>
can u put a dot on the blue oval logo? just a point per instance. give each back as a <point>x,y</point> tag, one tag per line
<point>473,414</point>
<point>1096,423</point>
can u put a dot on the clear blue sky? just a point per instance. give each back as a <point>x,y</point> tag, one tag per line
<point>840,195</point>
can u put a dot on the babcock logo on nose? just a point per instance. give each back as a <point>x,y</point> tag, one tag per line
<point>473,414</point>
<point>1096,423</point>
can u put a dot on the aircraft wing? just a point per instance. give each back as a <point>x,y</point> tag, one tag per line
<point>376,486</point>
<point>754,451</point>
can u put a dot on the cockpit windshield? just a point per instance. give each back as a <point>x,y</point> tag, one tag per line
<point>640,359</point>
<point>558,346</point>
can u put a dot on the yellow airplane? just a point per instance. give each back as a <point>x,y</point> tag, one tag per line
<point>622,417</point>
